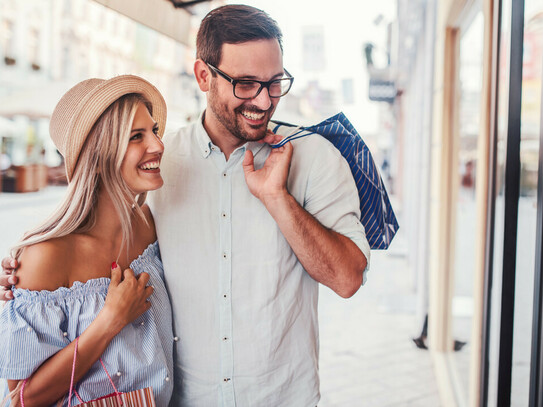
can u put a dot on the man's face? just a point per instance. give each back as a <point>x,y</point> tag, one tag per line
<point>245,120</point>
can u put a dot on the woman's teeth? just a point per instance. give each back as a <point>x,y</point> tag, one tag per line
<point>150,165</point>
<point>253,115</point>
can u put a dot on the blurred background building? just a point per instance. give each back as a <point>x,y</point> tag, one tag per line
<point>48,46</point>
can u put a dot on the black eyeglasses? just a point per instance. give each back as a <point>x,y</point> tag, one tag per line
<point>250,89</point>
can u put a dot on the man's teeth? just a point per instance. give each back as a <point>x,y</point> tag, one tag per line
<point>253,115</point>
<point>150,166</point>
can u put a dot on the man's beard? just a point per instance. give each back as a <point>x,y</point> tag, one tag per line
<point>233,123</point>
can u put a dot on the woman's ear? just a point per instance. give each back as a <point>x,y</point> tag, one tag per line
<point>203,75</point>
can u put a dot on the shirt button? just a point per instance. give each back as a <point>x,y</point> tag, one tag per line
<point>226,379</point>
<point>224,295</point>
<point>223,215</point>
<point>167,379</point>
<point>224,256</point>
<point>118,374</point>
<point>206,151</point>
<point>224,174</point>
<point>142,323</point>
<point>175,338</point>
<point>65,334</point>
<point>28,329</point>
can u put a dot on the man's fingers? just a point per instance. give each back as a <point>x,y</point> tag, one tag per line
<point>271,138</point>
<point>7,280</point>
<point>288,148</point>
<point>9,263</point>
<point>248,162</point>
<point>6,295</point>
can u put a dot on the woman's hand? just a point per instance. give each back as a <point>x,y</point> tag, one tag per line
<point>127,298</point>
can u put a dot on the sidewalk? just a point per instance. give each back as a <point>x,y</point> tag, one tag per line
<point>367,356</point>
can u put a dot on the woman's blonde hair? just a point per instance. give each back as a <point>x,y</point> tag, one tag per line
<point>98,167</point>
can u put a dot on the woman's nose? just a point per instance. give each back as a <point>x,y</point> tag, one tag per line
<point>155,144</point>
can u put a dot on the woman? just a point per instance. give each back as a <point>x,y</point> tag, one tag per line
<point>70,279</point>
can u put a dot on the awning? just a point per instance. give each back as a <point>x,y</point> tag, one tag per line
<point>159,15</point>
<point>35,102</point>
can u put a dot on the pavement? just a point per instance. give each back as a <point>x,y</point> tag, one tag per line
<point>367,356</point>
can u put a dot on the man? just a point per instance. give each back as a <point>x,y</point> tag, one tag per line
<point>247,232</point>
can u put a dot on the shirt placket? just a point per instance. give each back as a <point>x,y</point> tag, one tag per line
<point>225,284</point>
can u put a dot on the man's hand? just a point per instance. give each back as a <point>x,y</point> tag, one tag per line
<point>9,264</point>
<point>269,182</point>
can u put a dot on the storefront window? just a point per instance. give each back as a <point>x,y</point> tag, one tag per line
<point>469,115</point>
<point>527,218</point>
<point>498,200</point>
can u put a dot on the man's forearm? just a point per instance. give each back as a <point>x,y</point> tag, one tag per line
<point>329,257</point>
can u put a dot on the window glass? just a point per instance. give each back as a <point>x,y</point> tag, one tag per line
<point>469,121</point>
<point>527,214</point>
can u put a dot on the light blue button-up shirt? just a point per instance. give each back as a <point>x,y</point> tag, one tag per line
<point>244,308</point>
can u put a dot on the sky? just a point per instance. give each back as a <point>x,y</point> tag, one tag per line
<point>348,24</point>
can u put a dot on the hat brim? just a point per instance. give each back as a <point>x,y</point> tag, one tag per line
<point>96,102</point>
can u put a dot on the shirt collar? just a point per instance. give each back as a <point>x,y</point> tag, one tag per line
<point>204,142</point>
<point>206,145</point>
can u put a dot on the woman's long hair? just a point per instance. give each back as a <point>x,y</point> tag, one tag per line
<point>98,168</point>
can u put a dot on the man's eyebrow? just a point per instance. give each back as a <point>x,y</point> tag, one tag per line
<point>254,78</point>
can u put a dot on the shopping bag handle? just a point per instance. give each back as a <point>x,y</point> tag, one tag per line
<point>117,394</point>
<point>72,390</point>
<point>293,136</point>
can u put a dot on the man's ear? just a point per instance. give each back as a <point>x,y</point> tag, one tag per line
<point>203,75</point>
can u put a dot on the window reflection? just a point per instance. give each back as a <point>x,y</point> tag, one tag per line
<point>470,75</point>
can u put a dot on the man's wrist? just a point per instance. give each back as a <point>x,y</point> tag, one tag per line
<point>277,198</point>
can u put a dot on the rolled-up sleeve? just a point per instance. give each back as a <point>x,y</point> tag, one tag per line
<point>330,194</point>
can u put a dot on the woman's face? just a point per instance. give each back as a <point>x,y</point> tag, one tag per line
<point>141,163</point>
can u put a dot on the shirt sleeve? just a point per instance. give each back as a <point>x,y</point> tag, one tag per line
<point>332,197</point>
<point>30,332</point>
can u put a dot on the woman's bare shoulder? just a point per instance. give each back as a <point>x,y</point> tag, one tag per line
<point>45,265</point>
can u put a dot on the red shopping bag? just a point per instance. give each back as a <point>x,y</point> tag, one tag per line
<point>136,398</point>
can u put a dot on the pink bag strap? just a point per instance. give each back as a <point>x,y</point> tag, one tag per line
<point>117,394</point>
<point>72,390</point>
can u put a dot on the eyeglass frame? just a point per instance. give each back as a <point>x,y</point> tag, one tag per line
<point>262,84</point>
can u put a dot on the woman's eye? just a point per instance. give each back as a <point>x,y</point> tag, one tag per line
<point>155,130</point>
<point>136,136</point>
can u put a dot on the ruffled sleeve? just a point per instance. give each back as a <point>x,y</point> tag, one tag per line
<point>31,333</point>
<point>35,324</point>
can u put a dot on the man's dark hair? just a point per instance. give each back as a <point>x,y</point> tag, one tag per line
<point>233,24</point>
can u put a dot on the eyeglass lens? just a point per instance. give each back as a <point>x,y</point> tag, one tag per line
<point>249,89</point>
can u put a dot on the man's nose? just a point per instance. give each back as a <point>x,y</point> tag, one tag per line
<point>263,100</point>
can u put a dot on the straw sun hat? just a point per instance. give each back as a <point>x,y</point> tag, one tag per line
<point>79,109</point>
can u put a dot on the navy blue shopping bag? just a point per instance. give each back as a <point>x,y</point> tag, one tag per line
<point>376,211</point>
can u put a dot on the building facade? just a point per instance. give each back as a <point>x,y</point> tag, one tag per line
<point>470,119</point>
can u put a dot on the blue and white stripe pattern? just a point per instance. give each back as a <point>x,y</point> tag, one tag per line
<point>37,324</point>
<point>376,211</point>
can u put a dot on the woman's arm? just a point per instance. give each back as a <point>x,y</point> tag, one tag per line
<point>126,300</point>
